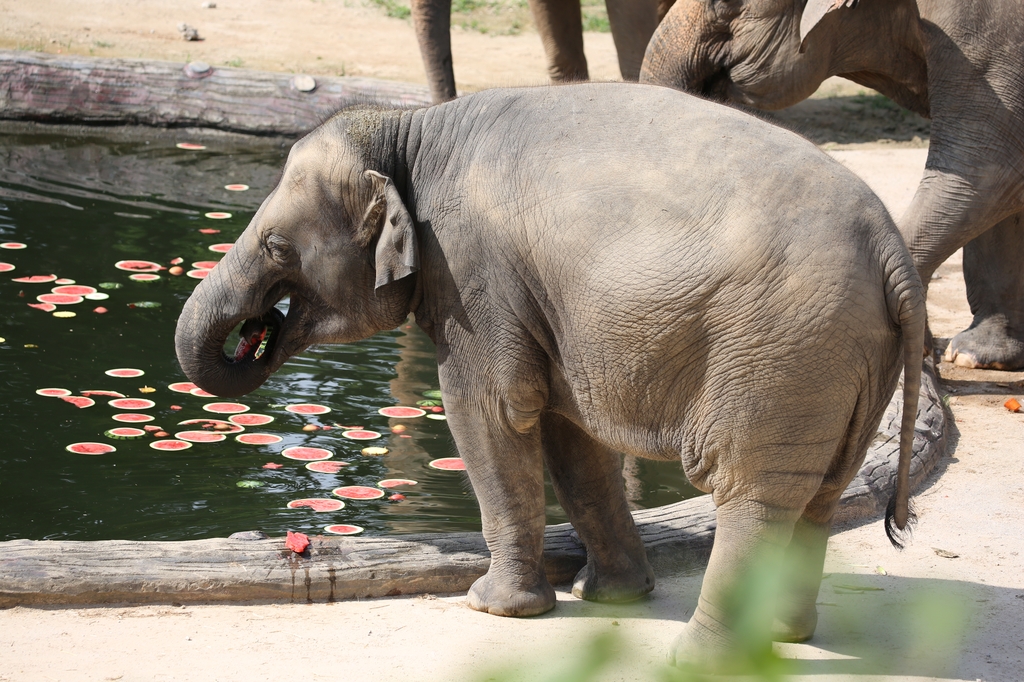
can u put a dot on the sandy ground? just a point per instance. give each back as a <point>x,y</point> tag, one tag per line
<point>916,615</point>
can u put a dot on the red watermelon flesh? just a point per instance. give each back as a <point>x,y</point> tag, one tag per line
<point>170,445</point>
<point>35,279</point>
<point>90,448</point>
<point>317,504</point>
<point>53,392</point>
<point>132,417</point>
<point>205,264</point>
<point>307,408</point>
<point>343,529</point>
<point>45,307</point>
<point>358,492</point>
<point>252,419</point>
<point>200,436</point>
<point>6,267</point>
<point>307,454</point>
<point>401,412</point>
<point>182,386</point>
<point>214,424</point>
<point>258,438</point>
<point>138,265</point>
<point>131,403</point>
<point>103,394</point>
<point>358,434</point>
<point>78,401</point>
<point>325,467</point>
<point>225,408</point>
<point>395,482</point>
<point>73,290</point>
<point>59,299</point>
<point>449,464</point>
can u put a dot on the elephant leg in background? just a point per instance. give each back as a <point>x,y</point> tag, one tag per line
<point>587,478</point>
<point>796,611</point>
<point>632,23</point>
<point>507,473</point>
<point>432,20</point>
<point>560,25</point>
<point>995,290</point>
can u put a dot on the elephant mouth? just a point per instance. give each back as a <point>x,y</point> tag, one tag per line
<point>717,85</point>
<point>260,339</point>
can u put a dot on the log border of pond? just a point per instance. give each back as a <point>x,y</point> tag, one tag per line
<point>81,90</point>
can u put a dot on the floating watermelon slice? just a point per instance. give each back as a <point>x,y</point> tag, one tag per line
<point>14,246</point>
<point>317,504</point>
<point>78,401</point>
<point>399,412</point>
<point>200,436</point>
<point>198,274</point>
<point>325,467</point>
<point>225,408</point>
<point>251,419</point>
<point>258,438</point>
<point>395,482</point>
<point>358,492</point>
<point>124,433</point>
<point>45,307</point>
<point>59,299</point>
<point>132,404</point>
<point>218,215</point>
<point>90,448</point>
<point>53,392</point>
<point>138,265</point>
<point>103,394</point>
<point>307,408</point>
<point>124,373</point>
<point>35,279</point>
<point>200,393</point>
<point>307,454</point>
<point>437,417</point>
<point>220,248</point>
<point>205,264</point>
<point>343,529</point>
<point>6,267</point>
<point>182,386</point>
<point>74,290</point>
<point>132,417</point>
<point>215,424</point>
<point>191,146</point>
<point>64,280</point>
<point>360,434</point>
<point>236,187</point>
<point>144,277</point>
<point>448,464</point>
<point>170,445</point>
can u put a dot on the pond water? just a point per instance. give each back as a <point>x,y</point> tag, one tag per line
<point>81,203</point>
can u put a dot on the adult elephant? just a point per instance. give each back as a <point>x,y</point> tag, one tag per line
<point>560,25</point>
<point>959,63</point>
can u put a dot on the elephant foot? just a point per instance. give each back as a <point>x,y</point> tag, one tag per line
<point>499,598</point>
<point>987,344</point>
<point>706,646</point>
<point>795,627</point>
<point>608,585</point>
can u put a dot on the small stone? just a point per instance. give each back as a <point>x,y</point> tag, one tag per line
<point>208,5</point>
<point>303,83</point>
<point>248,535</point>
<point>189,33</point>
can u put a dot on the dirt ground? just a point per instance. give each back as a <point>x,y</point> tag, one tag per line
<point>949,607</point>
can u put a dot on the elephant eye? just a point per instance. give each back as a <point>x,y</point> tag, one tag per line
<point>280,250</point>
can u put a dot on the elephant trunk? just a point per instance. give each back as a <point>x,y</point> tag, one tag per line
<point>681,51</point>
<point>209,316</point>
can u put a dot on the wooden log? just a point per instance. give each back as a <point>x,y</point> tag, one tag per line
<point>69,89</point>
<point>678,537</point>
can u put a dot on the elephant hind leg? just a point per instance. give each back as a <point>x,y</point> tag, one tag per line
<point>587,478</point>
<point>796,612</point>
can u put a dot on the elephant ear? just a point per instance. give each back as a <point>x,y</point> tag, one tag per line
<point>814,11</point>
<point>396,254</point>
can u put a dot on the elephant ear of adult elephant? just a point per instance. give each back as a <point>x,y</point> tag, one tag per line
<point>814,11</point>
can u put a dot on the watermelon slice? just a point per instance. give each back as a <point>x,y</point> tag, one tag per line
<point>325,467</point>
<point>6,267</point>
<point>132,404</point>
<point>258,438</point>
<point>218,215</point>
<point>399,412</point>
<point>124,433</point>
<point>74,290</point>
<point>124,373</point>
<point>35,279</point>
<point>236,187</point>
<point>191,146</point>
<point>343,529</point>
<point>14,246</point>
<point>358,492</point>
<point>59,299</point>
<point>220,248</point>
<point>251,419</point>
<point>200,393</point>
<point>307,408</point>
<point>78,401</point>
<point>138,265</point>
<point>306,454</point>
<point>395,482</point>
<point>214,424</point>
<point>90,448</point>
<point>432,395</point>
<point>200,436</point>
<point>448,464</point>
<point>132,417</point>
<point>98,296</point>
<point>144,277</point>
<point>182,386</point>
<point>317,504</point>
<point>53,392</point>
<point>170,445</point>
<point>45,307</point>
<point>205,264</point>
<point>360,434</point>
<point>437,417</point>
<point>225,408</point>
<point>198,274</point>
<point>63,280</point>
<point>103,394</point>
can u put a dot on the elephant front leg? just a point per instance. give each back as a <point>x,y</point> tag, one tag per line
<point>505,468</point>
<point>587,478</point>
<point>995,291</point>
<point>560,25</point>
<point>431,20</point>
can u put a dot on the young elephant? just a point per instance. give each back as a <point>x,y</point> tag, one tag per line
<point>598,283</point>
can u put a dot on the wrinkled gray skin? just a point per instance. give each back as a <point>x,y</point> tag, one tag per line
<point>960,63</point>
<point>560,25</point>
<point>601,285</point>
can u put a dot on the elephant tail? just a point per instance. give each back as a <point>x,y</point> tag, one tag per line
<point>906,302</point>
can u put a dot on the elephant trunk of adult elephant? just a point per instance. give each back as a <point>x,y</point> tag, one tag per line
<point>219,304</point>
<point>686,26</point>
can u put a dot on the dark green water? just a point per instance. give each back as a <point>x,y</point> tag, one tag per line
<point>81,204</point>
